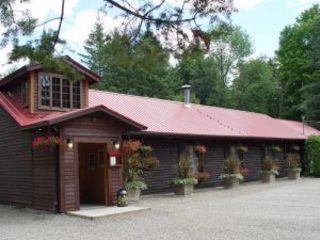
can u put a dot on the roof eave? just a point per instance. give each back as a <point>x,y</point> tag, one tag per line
<point>64,118</point>
<point>206,136</point>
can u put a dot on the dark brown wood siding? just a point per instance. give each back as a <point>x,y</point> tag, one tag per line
<point>45,179</point>
<point>213,162</point>
<point>166,151</point>
<point>252,161</point>
<point>15,163</point>
<point>27,176</point>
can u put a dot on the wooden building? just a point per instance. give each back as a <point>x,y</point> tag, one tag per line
<point>86,167</point>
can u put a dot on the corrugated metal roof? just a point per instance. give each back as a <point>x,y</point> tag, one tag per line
<point>159,116</point>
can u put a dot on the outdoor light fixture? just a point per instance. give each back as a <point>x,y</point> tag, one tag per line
<point>116,145</point>
<point>69,143</point>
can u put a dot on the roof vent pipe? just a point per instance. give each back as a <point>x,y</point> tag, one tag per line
<point>186,93</point>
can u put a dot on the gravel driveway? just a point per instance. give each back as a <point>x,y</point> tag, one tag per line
<point>284,210</point>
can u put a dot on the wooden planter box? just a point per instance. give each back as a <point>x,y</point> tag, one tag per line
<point>229,183</point>
<point>268,178</point>
<point>134,195</point>
<point>183,189</point>
<point>293,174</point>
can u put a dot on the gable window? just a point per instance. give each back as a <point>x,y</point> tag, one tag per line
<point>56,92</point>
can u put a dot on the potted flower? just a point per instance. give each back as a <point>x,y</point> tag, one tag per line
<point>184,180</point>
<point>269,170</point>
<point>137,160</point>
<point>202,176</point>
<point>293,161</point>
<point>231,175</point>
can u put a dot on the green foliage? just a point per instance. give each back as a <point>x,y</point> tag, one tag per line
<point>184,181</point>
<point>184,173</point>
<point>137,160</point>
<point>312,151</point>
<point>231,168</point>
<point>135,184</point>
<point>138,68</point>
<point>295,58</point>
<point>256,88</point>
<point>269,166</point>
<point>293,160</point>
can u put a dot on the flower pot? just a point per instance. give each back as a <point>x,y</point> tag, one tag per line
<point>294,174</point>
<point>183,189</point>
<point>134,195</point>
<point>268,178</point>
<point>230,183</point>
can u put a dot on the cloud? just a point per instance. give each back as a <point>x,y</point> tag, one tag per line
<point>246,4</point>
<point>78,30</point>
<point>43,9</point>
<point>301,3</point>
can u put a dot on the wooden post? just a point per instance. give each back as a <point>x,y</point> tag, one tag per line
<point>31,94</point>
<point>86,93</point>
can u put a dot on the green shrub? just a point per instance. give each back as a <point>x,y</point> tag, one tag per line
<point>312,151</point>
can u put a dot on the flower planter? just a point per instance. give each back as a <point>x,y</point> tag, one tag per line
<point>294,174</point>
<point>268,178</point>
<point>183,189</point>
<point>134,195</point>
<point>229,183</point>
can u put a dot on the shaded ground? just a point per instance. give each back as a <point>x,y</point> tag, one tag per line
<point>284,210</point>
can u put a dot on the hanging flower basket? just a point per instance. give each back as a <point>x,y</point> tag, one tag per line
<point>242,148</point>
<point>276,148</point>
<point>45,142</point>
<point>200,149</point>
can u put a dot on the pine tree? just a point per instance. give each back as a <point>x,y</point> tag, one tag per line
<point>94,47</point>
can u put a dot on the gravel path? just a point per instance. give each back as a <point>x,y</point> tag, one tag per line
<point>284,210</point>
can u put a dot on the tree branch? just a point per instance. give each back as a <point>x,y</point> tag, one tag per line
<point>59,28</point>
<point>47,21</point>
<point>146,17</point>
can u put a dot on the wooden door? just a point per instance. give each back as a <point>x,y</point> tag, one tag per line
<point>92,173</point>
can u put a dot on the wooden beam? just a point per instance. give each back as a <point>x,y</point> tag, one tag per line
<point>31,94</point>
<point>86,93</point>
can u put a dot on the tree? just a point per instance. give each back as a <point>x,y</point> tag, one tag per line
<point>155,16</point>
<point>294,59</point>
<point>229,51</point>
<point>256,89</point>
<point>140,68</point>
<point>311,104</point>
<point>94,47</point>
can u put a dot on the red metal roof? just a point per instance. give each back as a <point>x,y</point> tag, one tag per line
<point>157,116</point>
<point>171,117</point>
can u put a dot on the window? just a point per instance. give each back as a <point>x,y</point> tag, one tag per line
<point>58,93</point>
<point>24,92</point>
<point>92,161</point>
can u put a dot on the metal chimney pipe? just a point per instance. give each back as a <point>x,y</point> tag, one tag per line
<point>186,93</point>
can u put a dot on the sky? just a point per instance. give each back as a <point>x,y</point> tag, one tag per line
<point>263,20</point>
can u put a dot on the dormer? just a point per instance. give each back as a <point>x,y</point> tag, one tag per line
<point>38,90</point>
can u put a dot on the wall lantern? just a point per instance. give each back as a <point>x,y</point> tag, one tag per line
<point>116,145</point>
<point>69,143</point>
